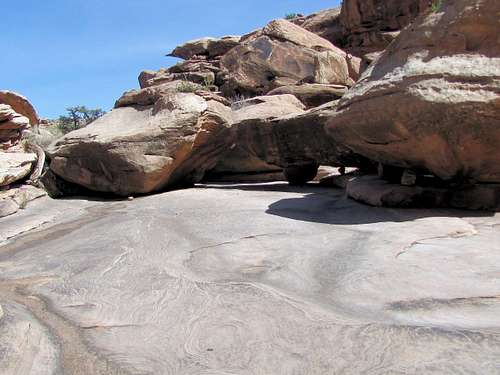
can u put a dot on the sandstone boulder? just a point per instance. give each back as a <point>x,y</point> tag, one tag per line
<point>195,65</point>
<point>370,25</point>
<point>17,198</point>
<point>432,101</point>
<point>12,125</point>
<point>326,24</point>
<point>377,192</point>
<point>310,94</point>
<point>14,166</point>
<point>20,105</point>
<point>267,140</point>
<point>283,53</point>
<point>150,95</point>
<point>145,145</point>
<point>151,78</point>
<point>240,163</point>
<point>208,47</point>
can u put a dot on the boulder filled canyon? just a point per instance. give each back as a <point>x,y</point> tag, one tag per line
<point>318,196</point>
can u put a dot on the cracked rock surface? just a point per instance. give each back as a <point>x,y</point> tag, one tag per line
<point>239,279</point>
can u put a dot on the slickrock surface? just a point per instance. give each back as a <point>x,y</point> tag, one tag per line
<point>185,283</point>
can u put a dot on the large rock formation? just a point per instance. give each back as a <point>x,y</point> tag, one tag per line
<point>146,145</point>
<point>202,61</point>
<point>364,28</point>
<point>432,101</point>
<point>205,47</point>
<point>242,162</point>
<point>12,125</point>
<point>370,25</point>
<point>283,53</point>
<point>327,24</point>
<point>20,105</point>
<point>274,132</point>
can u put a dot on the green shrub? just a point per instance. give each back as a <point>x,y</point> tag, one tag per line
<point>186,87</point>
<point>78,117</point>
<point>208,82</point>
<point>437,5</point>
<point>291,16</point>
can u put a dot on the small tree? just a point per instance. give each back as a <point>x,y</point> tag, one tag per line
<point>78,117</point>
<point>291,16</point>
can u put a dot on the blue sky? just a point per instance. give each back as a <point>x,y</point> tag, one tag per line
<point>62,53</point>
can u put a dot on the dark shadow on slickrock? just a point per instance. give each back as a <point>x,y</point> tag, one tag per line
<point>330,206</point>
<point>333,208</point>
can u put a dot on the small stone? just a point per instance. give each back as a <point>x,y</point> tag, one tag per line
<point>409,178</point>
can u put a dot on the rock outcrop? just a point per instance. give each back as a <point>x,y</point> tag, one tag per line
<point>364,28</point>
<point>205,47</point>
<point>202,63</point>
<point>15,166</point>
<point>371,25</point>
<point>431,103</point>
<point>242,162</point>
<point>327,24</point>
<point>271,135</point>
<point>146,144</point>
<point>12,126</point>
<point>19,166</point>
<point>310,94</point>
<point>12,200</point>
<point>280,54</point>
<point>377,192</point>
<point>20,105</point>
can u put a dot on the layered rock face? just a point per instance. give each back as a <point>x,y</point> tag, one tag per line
<point>21,105</point>
<point>432,101</point>
<point>144,146</point>
<point>201,65</point>
<point>370,25</point>
<point>283,53</point>
<point>364,28</point>
<point>17,114</point>
<point>310,94</point>
<point>12,125</point>
<point>18,165</point>
<point>205,47</point>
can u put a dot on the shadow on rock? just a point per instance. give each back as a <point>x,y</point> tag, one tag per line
<point>335,208</point>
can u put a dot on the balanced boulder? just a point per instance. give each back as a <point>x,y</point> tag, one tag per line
<point>150,143</point>
<point>280,54</point>
<point>432,101</point>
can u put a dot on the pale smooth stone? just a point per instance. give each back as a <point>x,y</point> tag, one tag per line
<point>269,279</point>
